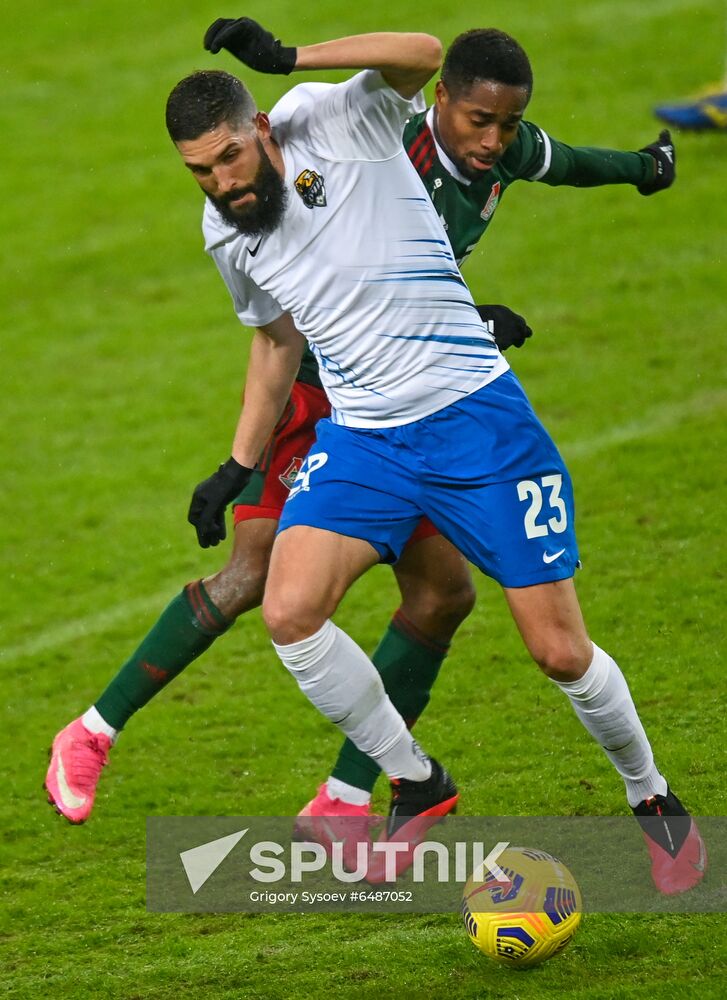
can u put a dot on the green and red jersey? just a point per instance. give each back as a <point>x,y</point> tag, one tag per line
<point>466,207</point>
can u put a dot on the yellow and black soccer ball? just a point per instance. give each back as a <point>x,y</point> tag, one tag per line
<point>529,917</point>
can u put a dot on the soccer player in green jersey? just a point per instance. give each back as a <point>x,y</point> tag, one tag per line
<point>473,143</point>
<point>467,150</point>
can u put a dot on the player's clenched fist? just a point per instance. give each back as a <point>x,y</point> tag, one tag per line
<point>665,162</point>
<point>509,328</point>
<point>249,42</point>
<point>211,497</point>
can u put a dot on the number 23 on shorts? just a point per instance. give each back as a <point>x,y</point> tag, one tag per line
<point>547,489</point>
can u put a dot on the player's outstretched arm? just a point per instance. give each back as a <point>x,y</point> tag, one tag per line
<point>651,169</point>
<point>407,60</point>
<point>274,360</point>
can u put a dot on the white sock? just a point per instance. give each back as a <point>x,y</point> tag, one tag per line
<point>95,723</point>
<point>354,796</point>
<point>346,687</point>
<point>602,701</point>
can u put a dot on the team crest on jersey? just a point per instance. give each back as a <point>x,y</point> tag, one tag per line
<point>491,204</point>
<point>311,187</point>
<point>288,477</point>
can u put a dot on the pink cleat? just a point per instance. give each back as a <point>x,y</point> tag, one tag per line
<point>677,851</point>
<point>327,821</point>
<point>77,759</point>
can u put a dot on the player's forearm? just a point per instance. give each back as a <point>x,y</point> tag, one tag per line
<point>406,60</point>
<point>381,50</point>
<point>585,166</point>
<point>272,369</point>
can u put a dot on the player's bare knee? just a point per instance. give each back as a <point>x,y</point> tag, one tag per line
<point>562,658</point>
<point>461,600</point>
<point>439,610</point>
<point>289,617</point>
<point>238,587</point>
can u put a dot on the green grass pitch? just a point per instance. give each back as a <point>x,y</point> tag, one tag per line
<point>121,368</point>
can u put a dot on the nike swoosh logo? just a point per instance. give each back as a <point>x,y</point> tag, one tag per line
<point>547,558</point>
<point>701,864</point>
<point>254,252</point>
<point>70,801</point>
<point>334,837</point>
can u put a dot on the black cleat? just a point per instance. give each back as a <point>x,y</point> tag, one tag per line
<point>416,806</point>
<point>436,796</point>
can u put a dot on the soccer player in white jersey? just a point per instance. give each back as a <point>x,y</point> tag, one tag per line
<point>322,230</point>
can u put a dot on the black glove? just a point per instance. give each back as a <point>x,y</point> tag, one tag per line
<point>665,163</point>
<point>510,330</point>
<point>249,42</point>
<point>207,509</point>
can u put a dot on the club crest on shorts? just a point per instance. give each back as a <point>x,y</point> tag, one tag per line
<point>288,477</point>
<point>302,480</point>
<point>311,187</point>
<point>491,204</point>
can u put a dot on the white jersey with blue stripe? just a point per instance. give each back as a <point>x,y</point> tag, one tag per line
<point>360,261</point>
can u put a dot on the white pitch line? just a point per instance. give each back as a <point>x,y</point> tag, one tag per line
<point>79,628</point>
<point>656,420</point>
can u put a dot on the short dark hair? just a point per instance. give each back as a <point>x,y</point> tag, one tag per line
<point>202,101</point>
<point>485,54</point>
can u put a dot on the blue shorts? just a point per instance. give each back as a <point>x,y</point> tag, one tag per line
<point>483,470</point>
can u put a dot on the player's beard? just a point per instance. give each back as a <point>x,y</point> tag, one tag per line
<point>265,213</point>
